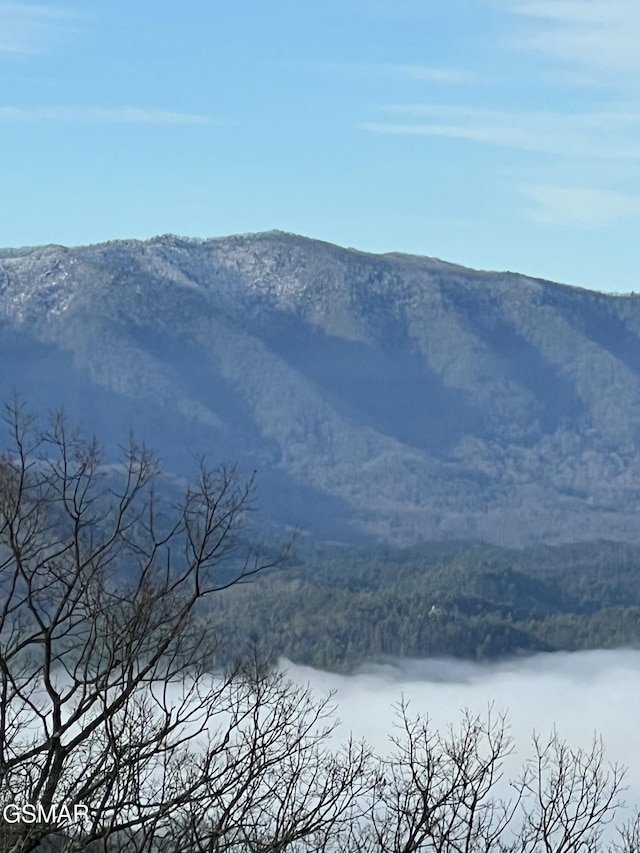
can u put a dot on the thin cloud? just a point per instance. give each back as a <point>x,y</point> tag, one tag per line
<point>118,115</point>
<point>29,29</point>
<point>575,11</point>
<point>579,206</point>
<point>600,34</point>
<point>597,135</point>
<point>430,74</point>
<point>427,73</point>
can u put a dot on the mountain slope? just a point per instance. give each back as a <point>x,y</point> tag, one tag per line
<point>388,396</point>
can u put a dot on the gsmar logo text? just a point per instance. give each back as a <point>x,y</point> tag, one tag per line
<point>37,813</point>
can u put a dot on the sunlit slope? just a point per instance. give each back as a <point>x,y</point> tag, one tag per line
<point>386,396</point>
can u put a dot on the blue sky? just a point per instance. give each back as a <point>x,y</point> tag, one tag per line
<point>499,134</point>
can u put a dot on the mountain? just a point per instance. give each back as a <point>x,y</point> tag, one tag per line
<point>378,396</point>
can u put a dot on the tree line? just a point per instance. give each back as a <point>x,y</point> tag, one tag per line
<point>337,607</point>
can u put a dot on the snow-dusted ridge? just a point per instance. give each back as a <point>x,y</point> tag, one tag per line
<point>378,395</point>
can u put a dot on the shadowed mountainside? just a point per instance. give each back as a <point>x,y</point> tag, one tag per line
<point>377,396</point>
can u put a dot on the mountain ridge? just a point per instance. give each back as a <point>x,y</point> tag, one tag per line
<point>387,396</point>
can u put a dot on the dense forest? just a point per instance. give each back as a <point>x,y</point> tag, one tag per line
<point>340,607</point>
<point>380,397</point>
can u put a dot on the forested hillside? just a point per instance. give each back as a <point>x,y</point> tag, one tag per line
<point>379,397</point>
<point>340,608</point>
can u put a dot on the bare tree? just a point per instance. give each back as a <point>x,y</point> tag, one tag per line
<point>447,793</point>
<point>281,786</point>
<point>107,700</point>
<point>628,837</point>
<point>437,792</point>
<point>569,797</point>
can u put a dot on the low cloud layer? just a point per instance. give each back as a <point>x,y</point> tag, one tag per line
<point>580,694</point>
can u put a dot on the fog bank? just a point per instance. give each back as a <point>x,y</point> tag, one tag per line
<point>579,693</point>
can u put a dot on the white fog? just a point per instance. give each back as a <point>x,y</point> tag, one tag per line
<point>579,693</point>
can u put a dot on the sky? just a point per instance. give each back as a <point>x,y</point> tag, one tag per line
<point>497,134</point>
